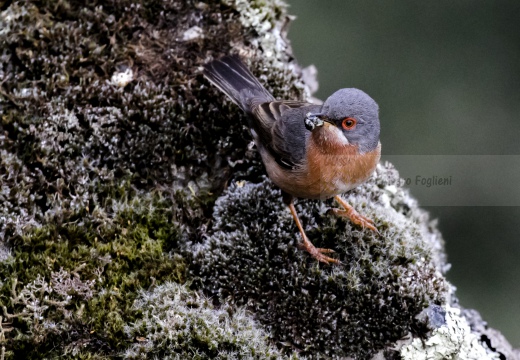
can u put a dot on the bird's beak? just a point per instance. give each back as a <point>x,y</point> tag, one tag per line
<point>314,120</point>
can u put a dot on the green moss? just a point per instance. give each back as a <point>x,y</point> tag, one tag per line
<point>109,261</point>
<point>181,324</point>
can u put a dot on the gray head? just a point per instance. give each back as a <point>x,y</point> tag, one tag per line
<point>354,113</point>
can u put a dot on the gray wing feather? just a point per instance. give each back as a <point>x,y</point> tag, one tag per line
<point>282,130</point>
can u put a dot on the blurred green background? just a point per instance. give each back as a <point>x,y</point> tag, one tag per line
<point>446,76</point>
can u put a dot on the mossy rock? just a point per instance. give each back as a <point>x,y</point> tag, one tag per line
<point>353,309</point>
<point>131,196</point>
<point>113,151</point>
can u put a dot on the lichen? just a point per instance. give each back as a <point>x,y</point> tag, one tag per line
<point>454,340</point>
<point>268,19</point>
<point>69,126</point>
<point>181,324</point>
<point>76,296</point>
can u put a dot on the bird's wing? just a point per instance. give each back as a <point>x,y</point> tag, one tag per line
<point>281,129</point>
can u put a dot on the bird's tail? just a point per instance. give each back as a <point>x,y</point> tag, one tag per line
<point>234,79</point>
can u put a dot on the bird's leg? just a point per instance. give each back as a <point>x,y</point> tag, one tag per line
<point>317,253</point>
<point>353,215</point>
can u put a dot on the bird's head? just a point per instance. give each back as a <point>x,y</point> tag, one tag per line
<point>351,117</point>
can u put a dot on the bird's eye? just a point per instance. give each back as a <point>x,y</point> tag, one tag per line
<point>349,123</point>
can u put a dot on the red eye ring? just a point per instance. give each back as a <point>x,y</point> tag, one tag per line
<point>349,123</point>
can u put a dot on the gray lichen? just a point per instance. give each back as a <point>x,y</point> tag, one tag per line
<point>36,300</point>
<point>181,324</point>
<point>453,340</point>
<point>121,170</point>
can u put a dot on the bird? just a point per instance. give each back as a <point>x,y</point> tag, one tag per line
<point>309,151</point>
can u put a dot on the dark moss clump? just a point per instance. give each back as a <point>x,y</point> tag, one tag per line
<point>77,294</point>
<point>349,310</point>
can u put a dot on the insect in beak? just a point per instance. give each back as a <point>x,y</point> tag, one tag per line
<point>314,120</point>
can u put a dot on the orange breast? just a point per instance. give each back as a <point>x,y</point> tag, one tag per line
<point>332,168</point>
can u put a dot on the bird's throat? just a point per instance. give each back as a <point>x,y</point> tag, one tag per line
<point>330,140</point>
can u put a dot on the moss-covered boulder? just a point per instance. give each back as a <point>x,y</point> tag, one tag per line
<point>113,151</point>
<point>354,308</point>
<point>136,220</point>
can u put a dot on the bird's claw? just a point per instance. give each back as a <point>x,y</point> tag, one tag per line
<point>357,219</point>
<point>319,253</point>
<point>325,251</point>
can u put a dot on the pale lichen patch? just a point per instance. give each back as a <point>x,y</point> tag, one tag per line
<point>122,78</point>
<point>454,340</point>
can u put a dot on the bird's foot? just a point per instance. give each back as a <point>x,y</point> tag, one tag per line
<point>354,216</point>
<point>319,253</point>
<point>357,219</point>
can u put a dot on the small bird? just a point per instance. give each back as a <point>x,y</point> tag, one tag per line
<point>309,151</point>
